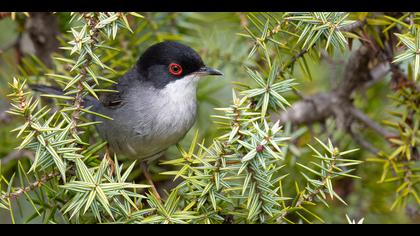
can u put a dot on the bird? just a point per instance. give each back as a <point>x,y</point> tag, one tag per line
<point>154,104</point>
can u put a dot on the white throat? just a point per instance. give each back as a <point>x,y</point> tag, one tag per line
<point>177,107</point>
<point>182,89</point>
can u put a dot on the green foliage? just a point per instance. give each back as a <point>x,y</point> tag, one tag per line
<point>252,168</point>
<point>95,191</point>
<point>400,164</point>
<point>268,93</point>
<point>322,25</point>
<point>411,41</point>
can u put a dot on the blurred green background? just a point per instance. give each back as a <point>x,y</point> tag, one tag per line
<point>215,37</point>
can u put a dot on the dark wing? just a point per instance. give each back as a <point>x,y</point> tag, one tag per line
<point>114,100</point>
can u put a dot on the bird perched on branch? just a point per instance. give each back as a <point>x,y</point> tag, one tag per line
<point>155,105</point>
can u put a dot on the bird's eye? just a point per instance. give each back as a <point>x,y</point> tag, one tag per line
<point>175,69</point>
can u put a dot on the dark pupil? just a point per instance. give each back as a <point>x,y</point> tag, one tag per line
<point>176,68</point>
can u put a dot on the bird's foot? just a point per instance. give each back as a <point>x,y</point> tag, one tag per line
<point>149,179</point>
<point>111,163</point>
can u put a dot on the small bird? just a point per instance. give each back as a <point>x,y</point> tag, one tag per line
<point>156,102</point>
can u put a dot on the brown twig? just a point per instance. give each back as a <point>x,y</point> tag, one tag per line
<point>38,183</point>
<point>17,154</point>
<point>359,115</point>
<point>337,103</point>
<point>78,101</point>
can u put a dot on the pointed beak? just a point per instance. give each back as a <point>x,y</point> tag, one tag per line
<point>208,71</point>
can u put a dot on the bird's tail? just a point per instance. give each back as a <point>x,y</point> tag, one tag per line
<point>87,101</point>
<point>46,89</point>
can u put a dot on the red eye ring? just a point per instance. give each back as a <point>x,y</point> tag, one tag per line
<point>175,69</point>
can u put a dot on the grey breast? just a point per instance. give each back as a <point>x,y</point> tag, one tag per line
<point>150,120</point>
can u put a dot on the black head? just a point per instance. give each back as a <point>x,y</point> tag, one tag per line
<point>169,61</point>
